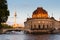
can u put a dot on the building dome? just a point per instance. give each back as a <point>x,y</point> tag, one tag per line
<point>40,13</point>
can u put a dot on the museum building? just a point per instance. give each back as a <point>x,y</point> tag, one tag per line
<point>41,22</point>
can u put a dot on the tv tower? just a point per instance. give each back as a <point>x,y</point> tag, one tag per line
<point>15,25</point>
<point>15,15</point>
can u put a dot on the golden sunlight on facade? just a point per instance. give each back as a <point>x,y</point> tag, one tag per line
<point>16,25</point>
<point>40,13</point>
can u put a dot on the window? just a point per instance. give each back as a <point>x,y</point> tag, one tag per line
<point>39,26</point>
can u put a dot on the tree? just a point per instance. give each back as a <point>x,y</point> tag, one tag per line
<point>6,26</point>
<point>4,12</point>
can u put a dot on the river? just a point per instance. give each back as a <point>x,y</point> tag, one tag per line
<point>22,36</point>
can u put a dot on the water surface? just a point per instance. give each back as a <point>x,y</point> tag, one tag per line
<point>22,36</point>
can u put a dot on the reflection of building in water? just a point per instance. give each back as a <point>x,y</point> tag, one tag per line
<point>40,21</point>
<point>15,24</point>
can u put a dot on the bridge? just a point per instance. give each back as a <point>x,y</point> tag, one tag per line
<point>12,29</point>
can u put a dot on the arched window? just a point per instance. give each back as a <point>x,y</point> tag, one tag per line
<point>39,26</point>
<point>34,26</point>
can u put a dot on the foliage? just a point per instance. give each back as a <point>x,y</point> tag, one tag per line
<point>4,12</point>
<point>6,26</point>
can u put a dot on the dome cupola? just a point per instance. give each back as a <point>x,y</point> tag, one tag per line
<point>40,13</point>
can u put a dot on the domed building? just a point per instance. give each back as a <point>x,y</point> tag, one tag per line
<point>41,22</point>
<point>40,13</point>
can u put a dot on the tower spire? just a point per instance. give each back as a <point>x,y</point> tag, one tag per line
<point>15,15</point>
<point>52,14</point>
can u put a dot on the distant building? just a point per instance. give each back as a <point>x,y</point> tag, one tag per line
<point>41,22</point>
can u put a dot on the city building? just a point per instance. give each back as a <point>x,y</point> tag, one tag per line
<point>41,22</point>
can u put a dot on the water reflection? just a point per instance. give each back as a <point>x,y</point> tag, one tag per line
<point>22,36</point>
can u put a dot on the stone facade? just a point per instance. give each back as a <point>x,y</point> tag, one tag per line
<point>41,22</point>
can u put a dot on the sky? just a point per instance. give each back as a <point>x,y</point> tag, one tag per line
<point>25,8</point>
